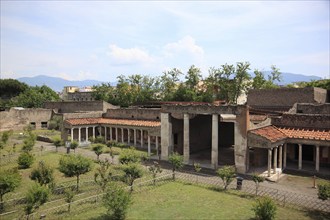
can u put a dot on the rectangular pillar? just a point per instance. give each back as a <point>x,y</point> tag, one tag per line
<point>214,157</point>
<point>275,159</point>
<point>280,157</point>
<point>86,133</point>
<point>116,130</point>
<point>134,137</point>
<point>269,162</point>
<point>300,157</point>
<point>157,145</point>
<point>284,156</point>
<point>149,147</point>
<point>79,134</point>
<point>142,138</point>
<point>317,158</point>
<point>186,150</point>
<point>166,135</point>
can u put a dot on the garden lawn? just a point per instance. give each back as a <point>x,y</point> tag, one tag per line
<point>181,201</point>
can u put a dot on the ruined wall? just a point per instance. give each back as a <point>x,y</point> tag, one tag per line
<point>96,114</point>
<point>132,113</point>
<point>303,121</point>
<point>306,108</point>
<point>86,106</point>
<point>80,96</point>
<point>285,97</point>
<point>18,119</point>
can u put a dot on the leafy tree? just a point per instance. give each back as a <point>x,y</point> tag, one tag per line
<point>227,174</point>
<point>74,145</point>
<point>259,80</point>
<point>57,141</point>
<point>257,180</point>
<point>264,208</point>
<point>9,181</point>
<point>25,160</point>
<point>116,201</point>
<point>69,195</point>
<point>74,165</point>
<point>169,81</point>
<point>129,155</point>
<point>324,190</point>
<point>55,123</point>
<point>177,162</point>
<point>154,169</point>
<point>10,88</point>
<point>43,174</point>
<point>35,197</point>
<point>324,84</point>
<point>103,174</point>
<point>5,136</point>
<point>98,150</point>
<point>29,142</point>
<point>132,172</point>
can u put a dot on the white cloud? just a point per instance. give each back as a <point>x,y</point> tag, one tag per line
<point>185,45</point>
<point>130,56</point>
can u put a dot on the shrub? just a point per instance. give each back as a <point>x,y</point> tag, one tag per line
<point>227,174</point>
<point>129,155</point>
<point>43,174</point>
<point>324,190</point>
<point>57,141</point>
<point>35,197</point>
<point>9,180</point>
<point>264,208</point>
<point>74,145</point>
<point>132,172</point>
<point>55,123</point>
<point>257,179</point>
<point>177,162</point>
<point>98,150</point>
<point>116,200</point>
<point>25,160</point>
<point>99,140</point>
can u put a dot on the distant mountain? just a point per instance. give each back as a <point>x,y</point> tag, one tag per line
<point>56,83</point>
<point>288,78</point>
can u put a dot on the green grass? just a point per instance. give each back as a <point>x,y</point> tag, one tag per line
<point>181,201</point>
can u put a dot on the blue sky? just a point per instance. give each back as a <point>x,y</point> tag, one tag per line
<point>104,39</point>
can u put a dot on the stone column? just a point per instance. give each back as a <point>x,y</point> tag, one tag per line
<point>166,134</point>
<point>110,130</point>
<point>79,134</point>
<point>141,138</point>
<point>284,156</point>
<point>317,158</point>
<point>300,157</point>
<point>186,150</point>
<point>280,157</point>
<point>93,131</point>
<point>105,133</point>
<point>157,145</point>
<point>269,162</point>
<point>214,157</point>
<point>128,136</point>
<point>86,133</point>
<point>149,146</point>
<point>71,134</point>
<point>275,159</point>
<point>116,134</point>
<point>122,135</point>
<point>135,137</point>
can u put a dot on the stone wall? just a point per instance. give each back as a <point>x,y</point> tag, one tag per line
<point>17,119</point>
<point>303,121</point>
<point>306,108</point>
<point>80,96</point>
<point>285,97</point>
<point>131,113</point>
<point>86,106</point>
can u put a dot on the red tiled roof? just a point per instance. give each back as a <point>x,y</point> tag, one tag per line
<point>274,134</point>
<point>271,133</point>
<point>110,121</point>
<point>311,134</point>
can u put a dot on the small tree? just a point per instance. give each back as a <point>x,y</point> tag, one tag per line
<point>227,174</point>
<point>9,181</point>
<point>132,172</point>
<point>110,144</point>
<point>324,190</point>
<point>264,208</point>
<point>74,165</point>
<point>103,174</point>
<point>25,160</point>
<point>177,162</point>
<point>257,179</point>
<point>43,174</point>
<point>35,197</point>
<point>69,195</point>
<point>129,155</point>
<point>116,201</point>
<point>57,141</point>
<point>29,142</point>
<point>98,150</point>
<point>154,169</point>
<point>197,168</point>
<point>74,145</point>
<point>5,136</point>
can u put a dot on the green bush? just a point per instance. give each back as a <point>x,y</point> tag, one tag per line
<point>129,155</point>
<point>177,162</point>
<point>99,140</point>
<point>324,190</point>
<point>25,160</point>
<point>264,208</point>
<point>227,174</point>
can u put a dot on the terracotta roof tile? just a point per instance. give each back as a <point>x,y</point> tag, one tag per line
<point>271,133</point>
<point>110,121</point>
<point>303,133</point>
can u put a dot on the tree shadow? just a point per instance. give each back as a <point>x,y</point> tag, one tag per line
<point>318,215</point>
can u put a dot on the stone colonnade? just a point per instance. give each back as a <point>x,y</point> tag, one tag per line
<point>111,133</point>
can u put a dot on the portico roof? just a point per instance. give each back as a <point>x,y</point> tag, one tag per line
<point>111,121</point>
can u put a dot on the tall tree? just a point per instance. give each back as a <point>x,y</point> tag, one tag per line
<point>241,80</point>
<point>169,81</point>
<point>9,181</point>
